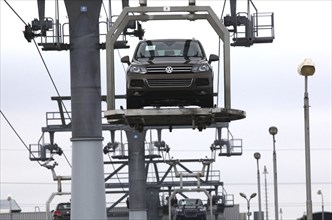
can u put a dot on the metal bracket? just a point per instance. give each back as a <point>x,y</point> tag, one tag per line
<point>228,147</point>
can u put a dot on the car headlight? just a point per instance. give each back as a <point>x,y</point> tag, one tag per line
<point>202,209</point>
<point>200,68</point>
<point>178,209</point>
<point>137,69</point>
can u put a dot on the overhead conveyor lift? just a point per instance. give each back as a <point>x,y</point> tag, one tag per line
<point>205,117</point>
<point>196,118</point>
<point>139,120</point>
<point>190,13</point>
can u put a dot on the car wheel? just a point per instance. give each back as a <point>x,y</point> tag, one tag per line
<point>133,104</point>
<point>207,102</point>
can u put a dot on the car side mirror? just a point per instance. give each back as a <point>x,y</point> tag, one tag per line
<point>213,58</point>
<point>125,59</point>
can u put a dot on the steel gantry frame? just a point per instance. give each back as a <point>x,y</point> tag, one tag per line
<point>143,118</point>
<point>165,183</point>
<point>143,13</point>
<point>60,122</point>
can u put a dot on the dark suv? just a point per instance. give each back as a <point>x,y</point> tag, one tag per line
<point>62,211</point>
<point>190,209</point>
<point>169,72</point>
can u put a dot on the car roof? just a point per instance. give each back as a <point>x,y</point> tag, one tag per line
<point>171,39</point>
<point>190,199</point>
<point>63,204</point>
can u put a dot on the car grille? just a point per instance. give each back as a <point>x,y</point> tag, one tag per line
<point>169,82</point>
<point>190,212</point>
<point>176,69</point>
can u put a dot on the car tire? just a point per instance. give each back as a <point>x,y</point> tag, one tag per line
<point>207,102</point>
<point>133,104</point>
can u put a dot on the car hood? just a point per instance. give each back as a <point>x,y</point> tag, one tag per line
<point>169,60</point>
<point>190,206</point>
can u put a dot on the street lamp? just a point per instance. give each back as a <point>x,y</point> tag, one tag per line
<point>266,204</point>
<point>319,192</point>
<point>248,202</point>
<point>273,131</point>
<point>257,157</point>
<point>9,198</point>
<point>307,68</point>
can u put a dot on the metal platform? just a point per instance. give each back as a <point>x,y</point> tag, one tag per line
<point>199,118</point>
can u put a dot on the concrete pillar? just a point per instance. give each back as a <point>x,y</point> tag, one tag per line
<point>88,186</point>
<point>137,175</point>
<point>153,203</point>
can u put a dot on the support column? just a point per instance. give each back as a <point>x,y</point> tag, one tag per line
<point>88,185</point>
<point>153,203</point>
<point>137,175</point>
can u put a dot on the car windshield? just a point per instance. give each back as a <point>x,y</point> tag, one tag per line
<point>64,206</point>
<point>190,202</point>
<point>169,48</point>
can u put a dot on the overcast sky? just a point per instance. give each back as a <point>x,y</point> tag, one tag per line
<point>265,84</point>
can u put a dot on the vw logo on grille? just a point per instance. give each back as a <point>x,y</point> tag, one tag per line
<point>169,69</point>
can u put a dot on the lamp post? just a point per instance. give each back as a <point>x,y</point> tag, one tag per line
<point>9,198</point>
<point>266,204</point>
<point>273,131</point>
<point>257,157</point>
<point>307,68</point>
<point>248,202</point>
<point>319,192</point>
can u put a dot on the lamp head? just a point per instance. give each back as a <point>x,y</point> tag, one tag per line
<point>306,68</point>
<point>243,195</point>
<point>319,192</point>
<point>273,130</point>
<point>257,155</point>
<point>253,195</point>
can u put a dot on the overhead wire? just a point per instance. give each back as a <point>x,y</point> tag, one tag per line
<point>15,12</point>
<point>43,60</point>
<point>56,89</point>
<point>48,72</point>
<point>67,159</point>
<point>19,137</point>
<point>105,10</point>
<point>51,78</point>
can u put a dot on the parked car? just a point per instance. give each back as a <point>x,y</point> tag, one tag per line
<point>62,211</point>
<point>190,209</point>
<point>169,72</point>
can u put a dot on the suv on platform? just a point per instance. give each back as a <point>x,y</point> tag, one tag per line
<point>169,72</point>
<point>62,211</point>
<point>190,209</point>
